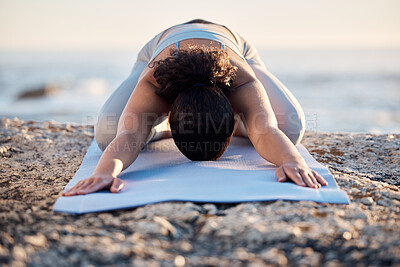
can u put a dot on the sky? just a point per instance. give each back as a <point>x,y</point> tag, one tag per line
<point>115,25</point>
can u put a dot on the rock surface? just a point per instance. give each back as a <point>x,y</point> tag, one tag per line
<point>41,91</point>
<point>38,159</point>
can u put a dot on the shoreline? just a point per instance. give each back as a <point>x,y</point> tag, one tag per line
<point>39,158</point>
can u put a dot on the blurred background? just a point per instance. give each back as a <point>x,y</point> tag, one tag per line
<point>60,60</point>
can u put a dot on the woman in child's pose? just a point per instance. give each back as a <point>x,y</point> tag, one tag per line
<point>200,83</point>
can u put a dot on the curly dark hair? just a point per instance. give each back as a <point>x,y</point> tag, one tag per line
<point>196,81</point>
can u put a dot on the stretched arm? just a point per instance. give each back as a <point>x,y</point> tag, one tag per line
<point>251,102</point>
<point>134,126</point>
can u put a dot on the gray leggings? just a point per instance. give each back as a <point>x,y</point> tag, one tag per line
<point>288,112</point>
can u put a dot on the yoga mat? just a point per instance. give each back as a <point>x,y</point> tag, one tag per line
<point>161,173</point>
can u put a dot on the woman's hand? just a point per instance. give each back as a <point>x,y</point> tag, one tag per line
<point>300,174</point>
<point>95,183</point>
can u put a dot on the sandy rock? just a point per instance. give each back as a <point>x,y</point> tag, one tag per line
<point>39,158</point>
<point>151,228</point>
<point>168,226</point>
<point>383,202</point>
<point>190,216</point>
<point>274,256</point>
<point>210,209</point>
<point>179,261</point>
<point>38,240</point>
<point>313,259</point>
<point>46,90</point>
<point>367,200</point>
<point>280,235</point>
<point>19,253</point>
<point>4,253</point>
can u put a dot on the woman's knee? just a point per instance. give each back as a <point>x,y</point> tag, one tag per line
<point>105,129</point>
<point>293,126</point>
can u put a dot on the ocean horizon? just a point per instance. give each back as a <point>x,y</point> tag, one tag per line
<point>339,90</point>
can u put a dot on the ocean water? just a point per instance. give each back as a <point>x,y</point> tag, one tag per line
<point>350,91</point>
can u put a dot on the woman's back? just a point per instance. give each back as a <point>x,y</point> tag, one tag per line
<point>191,81</point>
<point>207,31</point>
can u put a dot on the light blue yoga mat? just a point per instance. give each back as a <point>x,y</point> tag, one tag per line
<point>161,173</point>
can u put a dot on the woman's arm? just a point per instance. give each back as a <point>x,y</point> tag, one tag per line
<point>250,100</point>
<point>111,163</point>
<point>134,126</point>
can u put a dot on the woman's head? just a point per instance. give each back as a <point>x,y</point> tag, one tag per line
<point>196,82</point>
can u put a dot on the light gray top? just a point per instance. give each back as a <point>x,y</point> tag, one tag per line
<point>200,31</point>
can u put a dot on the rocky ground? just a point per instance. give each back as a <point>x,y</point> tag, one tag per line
<point>38,159</point>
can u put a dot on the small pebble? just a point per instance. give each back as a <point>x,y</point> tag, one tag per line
<point>179,261</point>
<point>367,200</point>
<point>38,240</point>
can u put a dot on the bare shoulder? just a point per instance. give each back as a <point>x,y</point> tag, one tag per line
<point>144,105</point>
<point>248,96</point>
<point>144,95</point>
<point>245,82</point>
<point>244,71</point>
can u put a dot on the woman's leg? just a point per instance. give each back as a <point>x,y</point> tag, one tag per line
<point>288,112</point>
<point>106,126</point>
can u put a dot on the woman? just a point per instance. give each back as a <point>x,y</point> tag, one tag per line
<point>207,83</point>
